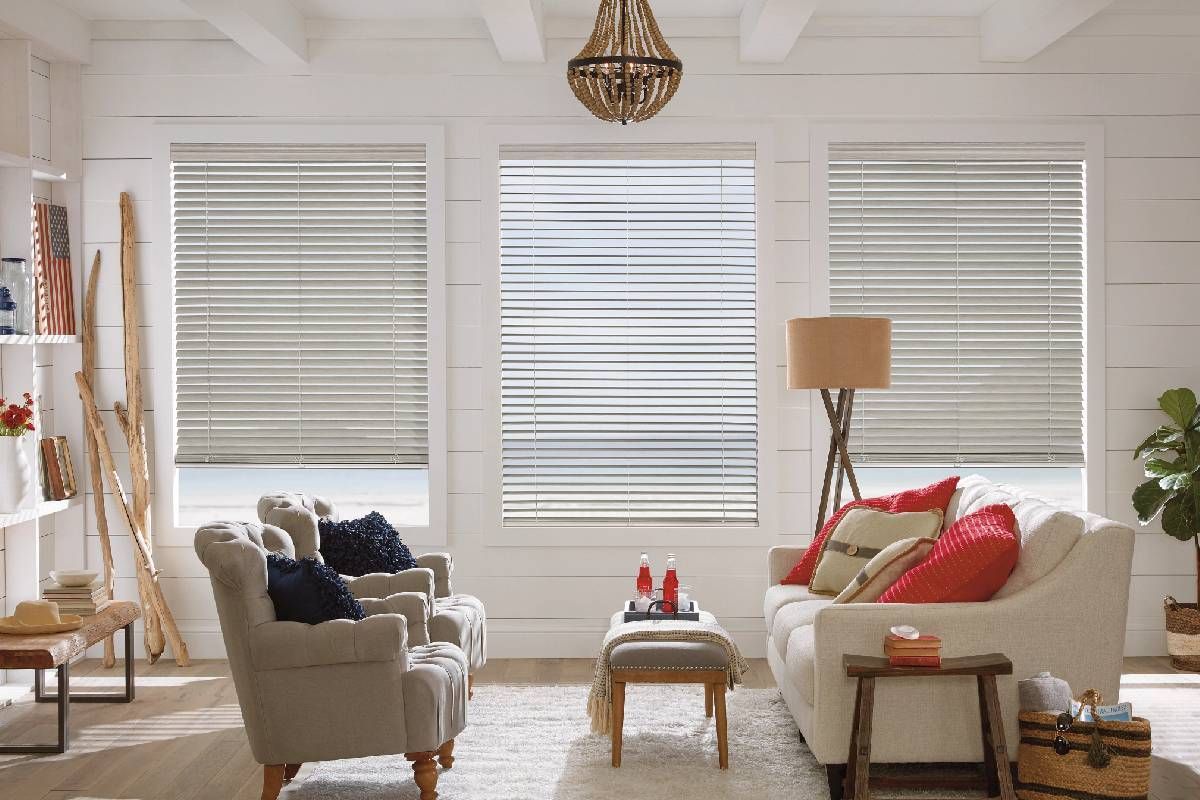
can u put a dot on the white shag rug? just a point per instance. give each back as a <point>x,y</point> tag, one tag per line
<point>534,743</point>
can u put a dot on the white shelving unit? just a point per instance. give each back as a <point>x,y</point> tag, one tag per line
<point>41,158</point>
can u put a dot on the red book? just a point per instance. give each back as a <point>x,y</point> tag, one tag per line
<point>921,642</point>
<point>915,661</point>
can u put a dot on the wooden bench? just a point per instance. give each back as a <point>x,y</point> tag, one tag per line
<point>44,651</point>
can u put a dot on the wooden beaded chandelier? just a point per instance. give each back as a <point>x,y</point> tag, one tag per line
<point>626,72</point>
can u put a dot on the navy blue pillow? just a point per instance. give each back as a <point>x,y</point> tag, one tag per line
<point>362,546</point>
<point>308,591</point>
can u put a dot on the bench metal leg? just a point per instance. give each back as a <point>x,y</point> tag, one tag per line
<point>64,713</point>
<point>41,696</point>
<point>63,698</point>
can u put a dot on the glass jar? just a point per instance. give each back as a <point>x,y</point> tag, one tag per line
<point>16,275</point>
<point>8,312</point>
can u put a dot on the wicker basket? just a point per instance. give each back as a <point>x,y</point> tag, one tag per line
<point>1183,634</point>
<point>1043,774</point>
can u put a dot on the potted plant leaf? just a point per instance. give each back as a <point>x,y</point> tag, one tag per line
<point>1172,466</point>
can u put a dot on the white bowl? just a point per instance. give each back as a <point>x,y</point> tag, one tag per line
<point>74,577</point>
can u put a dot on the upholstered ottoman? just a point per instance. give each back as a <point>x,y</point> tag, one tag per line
<point>671,661</point>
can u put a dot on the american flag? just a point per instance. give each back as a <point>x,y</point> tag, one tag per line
<point>52,270</point>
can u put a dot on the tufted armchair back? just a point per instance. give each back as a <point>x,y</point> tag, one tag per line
<point>297,514</point>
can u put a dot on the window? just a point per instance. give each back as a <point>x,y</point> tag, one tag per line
<point>628,336</point>
<point>300,324</point>
<point>976,252</point>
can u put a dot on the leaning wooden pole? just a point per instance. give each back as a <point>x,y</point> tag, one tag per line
<point>135,433</point>
<point>89,373</point>
<point>142,554</point>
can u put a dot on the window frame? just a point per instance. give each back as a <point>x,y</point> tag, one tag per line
<point>769,334</point>
<point>1092,139</point>
<point>159,349</point>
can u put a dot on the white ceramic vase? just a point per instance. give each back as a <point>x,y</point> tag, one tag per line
<point>16,479</point>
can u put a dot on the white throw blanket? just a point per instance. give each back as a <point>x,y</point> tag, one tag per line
<point>705,630</point>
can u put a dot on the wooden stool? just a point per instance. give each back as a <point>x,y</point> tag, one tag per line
<point>985,669</point>
<point>714,681</point>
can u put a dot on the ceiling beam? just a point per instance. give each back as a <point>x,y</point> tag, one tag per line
<point>770,28</point>
<point>270,30</point>
<point>1017,30</point>
<point>56,32</point>
<point>516,28</point>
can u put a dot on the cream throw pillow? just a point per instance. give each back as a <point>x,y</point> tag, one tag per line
<point>885,569</point>
<point>861,534</point>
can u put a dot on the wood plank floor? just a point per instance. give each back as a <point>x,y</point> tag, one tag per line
<point>182,739</point>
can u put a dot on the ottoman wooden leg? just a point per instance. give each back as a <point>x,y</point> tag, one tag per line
<point>718,691</point>
<point>708,700</point>
<point>618,720</point>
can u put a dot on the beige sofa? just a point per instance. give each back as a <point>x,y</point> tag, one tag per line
<point>1063,610</point>
<point>340,689</point>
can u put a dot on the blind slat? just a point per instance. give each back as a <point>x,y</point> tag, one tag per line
<point>628,338</point>
<point>976,253</point>
<point>301,304</point>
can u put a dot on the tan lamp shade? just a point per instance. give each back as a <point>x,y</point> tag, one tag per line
<point>839,353</point>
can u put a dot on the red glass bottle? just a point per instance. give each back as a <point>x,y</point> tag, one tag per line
<point>670,586</point>
<point>645,582</point>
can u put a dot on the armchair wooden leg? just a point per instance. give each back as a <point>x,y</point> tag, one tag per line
<point>272,781</point>
<point>289,771</point>
<point>425,774</point>
<point>446,754</point>
<point>470,687</point>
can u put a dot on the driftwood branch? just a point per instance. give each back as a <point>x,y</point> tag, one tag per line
<point>89,373</point>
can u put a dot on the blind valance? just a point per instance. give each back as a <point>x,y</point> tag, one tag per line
<point>300,304</point>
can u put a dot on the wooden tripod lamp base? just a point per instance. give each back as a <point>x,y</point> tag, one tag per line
<point>848,353</point>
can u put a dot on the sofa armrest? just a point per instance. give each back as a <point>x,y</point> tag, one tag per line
<point>780,561</point>
<point>413,606</point>
<point>442,565</point>
<point>383,584</point>
<point>292,645</point>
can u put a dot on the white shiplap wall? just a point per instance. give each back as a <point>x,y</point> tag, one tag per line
<point>1137,75</point>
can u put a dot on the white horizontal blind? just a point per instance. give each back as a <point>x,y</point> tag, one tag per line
<point>300,304</point>
<point>628,369</point>
<point>976,253</point>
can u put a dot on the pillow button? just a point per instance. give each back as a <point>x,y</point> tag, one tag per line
<point>852,550</point>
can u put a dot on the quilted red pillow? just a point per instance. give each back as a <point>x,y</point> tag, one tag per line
<point>969,563</point>
<point>936,495</point>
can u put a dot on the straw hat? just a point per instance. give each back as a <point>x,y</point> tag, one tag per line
<point>39,616</point>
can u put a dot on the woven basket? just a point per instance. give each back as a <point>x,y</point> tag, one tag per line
<point>1183,634</point>
<point>1042,774</point>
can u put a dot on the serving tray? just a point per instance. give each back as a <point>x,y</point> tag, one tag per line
<point>692,613</point>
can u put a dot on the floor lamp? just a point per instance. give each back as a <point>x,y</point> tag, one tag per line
<point>843,353</point>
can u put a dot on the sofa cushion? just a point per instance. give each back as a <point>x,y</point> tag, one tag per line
<point>1047,534</point>
<point>862,534</point>
<point>885,569</point>
<point>363,546</point>
<point>780,595</point>
<point>969,563</point>
<point>793,616</point>
<point>800,658</point>
<point>936,495</point>
<point>308,591</point>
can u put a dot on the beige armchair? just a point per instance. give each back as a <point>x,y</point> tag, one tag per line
<point>340,689</point>
<point>460,619</point>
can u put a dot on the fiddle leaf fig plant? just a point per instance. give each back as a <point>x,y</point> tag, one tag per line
<point>1172,466</point>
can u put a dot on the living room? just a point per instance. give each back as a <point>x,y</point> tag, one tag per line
<point>552,284</point>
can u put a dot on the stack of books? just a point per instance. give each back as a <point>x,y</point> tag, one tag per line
<point>924,651</point>
<point>81,600</point>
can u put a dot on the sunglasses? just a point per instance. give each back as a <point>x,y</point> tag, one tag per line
<point>1062,724</point>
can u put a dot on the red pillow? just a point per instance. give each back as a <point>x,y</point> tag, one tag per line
<point>936,495</point>
<point>969,563</point>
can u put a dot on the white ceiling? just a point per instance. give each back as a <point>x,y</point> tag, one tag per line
<point>468,9</point>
